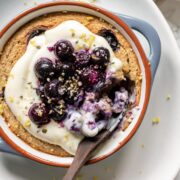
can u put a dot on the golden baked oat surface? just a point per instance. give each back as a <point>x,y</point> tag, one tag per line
<point>16,47</point>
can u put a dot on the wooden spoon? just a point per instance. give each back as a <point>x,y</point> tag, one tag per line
<point>87,146</point>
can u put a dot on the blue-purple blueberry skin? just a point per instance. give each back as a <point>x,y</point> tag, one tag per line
<point>38,114</point>
<point>110,38</point>
<point>44,68</point>
<point>82,58</point>
<point>63,49</point>
<point>100,55</point>
<point>51,89</point>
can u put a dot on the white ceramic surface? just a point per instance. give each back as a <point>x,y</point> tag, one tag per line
<point>153,153</point>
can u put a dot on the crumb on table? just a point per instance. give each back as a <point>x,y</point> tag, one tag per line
<point>168,97</point>
<point>108,169</point>
<point>95,178</point>
<point>142,146</point>
<point>155,120</point>
<point>79,177</point>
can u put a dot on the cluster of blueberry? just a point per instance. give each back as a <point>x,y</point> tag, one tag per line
<point>65,81</point>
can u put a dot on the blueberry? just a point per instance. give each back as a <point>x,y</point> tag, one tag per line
<point>58,111</point>
<point>72,92</point>
<point>82,58</point>
<point>71,89</point>
<point>38,113</point>
<point>71,98</point>
<point>40,93</point>
<point>120,101</point>
<point>62,90</point>
<point>64,69</point>
<point>80,99</point>
<point>100,116</point>
<point>51,89</point>
<point>58,117</point>
<point>110,37</point>
<point>58,67</point>
<point>67,69</point>
<point>44,68</point>
<point>104,106</point>
<point>100,55</point>
<point>101,85</point>
<point>74,128</point>
<point>73,122</point>
<point>36,32</point>
<point>63,49</point>
<point>90,76</point>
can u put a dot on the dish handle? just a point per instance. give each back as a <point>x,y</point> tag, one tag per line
<point>4,147</point>
<point>151,36</point>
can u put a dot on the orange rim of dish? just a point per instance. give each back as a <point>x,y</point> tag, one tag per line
<point>145,64</point>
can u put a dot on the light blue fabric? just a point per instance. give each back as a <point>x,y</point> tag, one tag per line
<point>6,148</point>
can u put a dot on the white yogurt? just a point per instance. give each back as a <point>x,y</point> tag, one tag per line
<point>89,127</point>
<point>20,95</point>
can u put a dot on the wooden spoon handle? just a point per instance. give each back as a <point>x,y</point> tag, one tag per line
<point>86,147</point>
<point>79,160</point>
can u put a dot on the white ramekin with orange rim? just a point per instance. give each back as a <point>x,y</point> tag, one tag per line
<point>125,25</point>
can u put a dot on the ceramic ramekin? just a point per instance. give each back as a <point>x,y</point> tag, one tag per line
<point>148,72</point>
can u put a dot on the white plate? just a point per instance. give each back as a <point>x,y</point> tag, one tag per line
<point>154,152</point>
